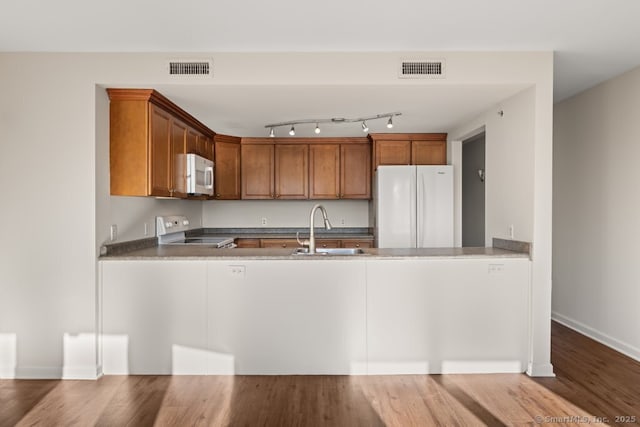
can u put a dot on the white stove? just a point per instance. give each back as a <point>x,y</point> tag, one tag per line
<point>171,230</point>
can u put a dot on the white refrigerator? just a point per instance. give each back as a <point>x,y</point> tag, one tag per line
<point>413,206</point>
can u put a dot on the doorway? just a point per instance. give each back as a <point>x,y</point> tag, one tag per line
<point>473,197</point>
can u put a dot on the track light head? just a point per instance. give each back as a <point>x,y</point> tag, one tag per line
<point>390,122</point>
<point>317,130</point>
<point>292,131</point>
<point>272,133</point>
<point>365,128</point>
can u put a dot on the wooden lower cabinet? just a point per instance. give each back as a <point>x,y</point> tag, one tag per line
<point>356,243</point>
<point>247,243</point>
<point>279,243</point>
<point>327,243</point>
<point>320,243</point>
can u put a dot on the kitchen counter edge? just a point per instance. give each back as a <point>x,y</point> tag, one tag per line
<point>196,252</point>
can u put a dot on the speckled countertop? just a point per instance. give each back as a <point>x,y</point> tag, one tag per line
<point>199,252</point>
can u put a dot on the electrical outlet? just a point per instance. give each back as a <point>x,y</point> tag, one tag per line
<point>146,228</point>
<point>237,271</point>
<point>342,221</point>
<point>496,269</point>
<point>113,231</point>
<point>264,221</point>
<point>511,231</point>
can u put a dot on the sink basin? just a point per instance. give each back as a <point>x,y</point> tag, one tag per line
<point>330,251</point>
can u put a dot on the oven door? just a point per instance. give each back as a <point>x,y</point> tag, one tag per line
<point>199,175</point>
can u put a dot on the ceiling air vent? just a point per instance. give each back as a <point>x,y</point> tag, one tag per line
<point>421,69</point>
<point>191,69</point>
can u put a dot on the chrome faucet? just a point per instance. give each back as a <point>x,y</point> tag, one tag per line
<point>312,238</point>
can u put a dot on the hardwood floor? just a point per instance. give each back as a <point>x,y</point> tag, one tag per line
<point>592,381</point>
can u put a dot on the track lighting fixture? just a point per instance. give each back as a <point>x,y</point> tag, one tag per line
<point>334,120</point>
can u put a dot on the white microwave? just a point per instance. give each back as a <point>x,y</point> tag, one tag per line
<point>199,175</point>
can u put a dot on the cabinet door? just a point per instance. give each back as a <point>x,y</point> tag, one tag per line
<point>279,243</point>
<point>208,148</point>
<point>355,171</point>
<point>389,152</point>
<point>192,141</point>
<point>247,243</point>
<point>292,171</point>
<point>160,149</point>
<point>428,152</point>
<point>327,243</point>
<point>355,243</point>
<point>257,171</point>
<point>227,170</point>
<point>324,171</point>
<point>178,165</point>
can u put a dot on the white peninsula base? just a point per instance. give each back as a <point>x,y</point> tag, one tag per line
<point>315,316</point>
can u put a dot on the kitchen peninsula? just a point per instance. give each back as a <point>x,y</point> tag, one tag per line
<point>198,310</point>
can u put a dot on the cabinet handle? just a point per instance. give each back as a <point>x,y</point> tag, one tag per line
<point>284,245</point>
<point>217,194</point>
<point>324,245</point>
<point>277,196</point>
<point>357,245</point>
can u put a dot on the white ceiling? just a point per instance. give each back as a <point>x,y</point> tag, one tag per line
<point>593,40</point>
<point>245,110</point>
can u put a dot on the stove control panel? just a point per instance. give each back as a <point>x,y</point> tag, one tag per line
<point>171,224</point>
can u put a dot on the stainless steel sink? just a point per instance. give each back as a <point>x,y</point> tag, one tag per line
<point>330,251</point>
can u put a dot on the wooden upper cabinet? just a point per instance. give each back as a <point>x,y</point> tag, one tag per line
<point>178,150</point>
<point>257,171</point>
<point>355,171</point>
<point>227,167</point>
<point>409,149</point>
<point>291,173</point>
<point>160,149</point>
<point>340,170</point>
<point>428,152</point>
<point>392,152</point>
<point>324,171</point>
<point>149,135</point>
<point>192,141</point>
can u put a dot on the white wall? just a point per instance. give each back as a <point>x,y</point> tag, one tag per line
<point>519,161</point>
<point>510,140</point>
<point>283,213</point>
<point>596,274</point>
<point>53,117</point>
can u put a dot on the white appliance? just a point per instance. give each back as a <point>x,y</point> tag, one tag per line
<point>199,175</point>
<point>171,230</point>
<point>414,206</point>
